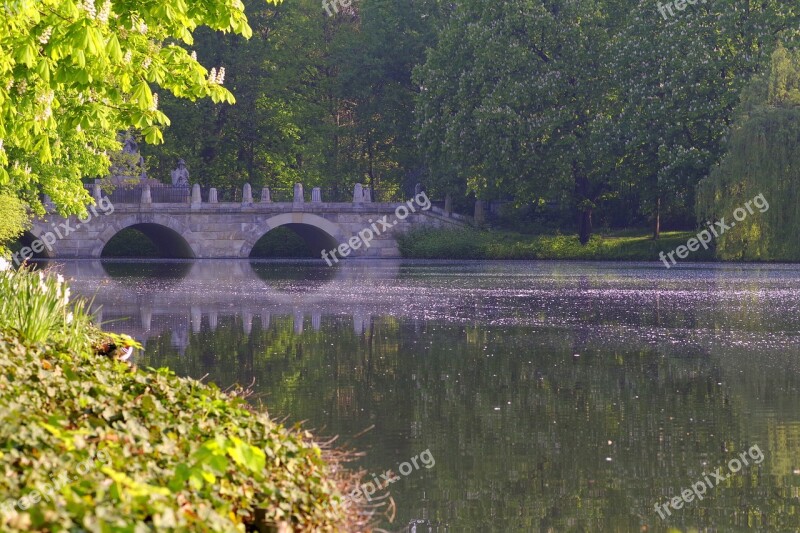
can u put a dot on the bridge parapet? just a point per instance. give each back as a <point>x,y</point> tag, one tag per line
<point>175,198</point>
<point>169,194</point>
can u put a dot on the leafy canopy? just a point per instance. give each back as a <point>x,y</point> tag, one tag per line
<point>77,73</point>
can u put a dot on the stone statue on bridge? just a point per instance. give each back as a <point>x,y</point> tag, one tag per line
<point>180,176</point>
<point>129,165</point>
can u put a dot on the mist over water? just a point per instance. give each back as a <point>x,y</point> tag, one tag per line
<point>571,396</point>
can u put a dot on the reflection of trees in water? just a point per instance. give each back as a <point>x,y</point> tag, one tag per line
<point>518,424</point>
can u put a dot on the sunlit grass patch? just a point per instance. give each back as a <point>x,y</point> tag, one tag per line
<point>469,244</point>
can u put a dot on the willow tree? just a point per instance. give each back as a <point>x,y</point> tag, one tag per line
<point>763,158</point>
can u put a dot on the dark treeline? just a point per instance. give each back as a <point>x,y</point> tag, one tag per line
<point>584,112</point>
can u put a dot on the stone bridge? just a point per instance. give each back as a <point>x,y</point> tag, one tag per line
<point>181,224</point>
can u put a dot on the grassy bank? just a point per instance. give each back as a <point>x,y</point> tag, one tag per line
<point>471,244</point>
<point>89,443</point>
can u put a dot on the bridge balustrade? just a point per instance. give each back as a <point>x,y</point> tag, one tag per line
<point>232,194</point>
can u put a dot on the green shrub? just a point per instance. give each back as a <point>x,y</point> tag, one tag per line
<point>88,443</point>
<point>14,218</point>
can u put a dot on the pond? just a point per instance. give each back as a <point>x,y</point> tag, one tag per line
<point>561,396</point>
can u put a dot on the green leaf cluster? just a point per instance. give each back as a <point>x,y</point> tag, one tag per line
<point>78,72</point>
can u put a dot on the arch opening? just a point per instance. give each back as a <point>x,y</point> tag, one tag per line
<point>293,240</point>
<point>28,246</point>
<point>148,240</point>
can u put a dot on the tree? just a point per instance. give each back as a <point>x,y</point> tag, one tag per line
<point>763,159</point>
<point>76,74</point>
<point>326,100</point>
<point>513,97</point>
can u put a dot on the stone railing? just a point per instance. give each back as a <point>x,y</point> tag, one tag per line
<point>169,194</point>
<point>195,196</point>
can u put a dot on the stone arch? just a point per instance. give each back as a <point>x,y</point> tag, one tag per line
<point>170,236</point>
<point>319,233</point>
<point>27,240</point>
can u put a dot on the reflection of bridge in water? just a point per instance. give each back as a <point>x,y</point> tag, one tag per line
<point>146,300</point>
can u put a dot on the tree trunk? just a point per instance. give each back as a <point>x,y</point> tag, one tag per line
<point>657,221</point>
<point>585,230</point>
<point>584,205</point>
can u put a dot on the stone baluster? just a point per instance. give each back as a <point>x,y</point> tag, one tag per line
<point>298,193</point>
<point>265,196</point>
<point>212,320</point>
<point>213,197</point>
<point>448,205</point>
<point>316,195</point>
<point>147,196</point>
<point>247,195</point>
<point>196,198</point>
<point>358,193</point>
<point>367,195</point>
<point>298,322</point>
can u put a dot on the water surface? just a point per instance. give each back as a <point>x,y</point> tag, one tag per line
<point>553,396</point>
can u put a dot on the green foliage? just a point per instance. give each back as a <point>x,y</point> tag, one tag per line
<point>323,100</point>
<point>135,450</point>
<point>76,73</point>
<point>763,158</point>
<point>470,244</point>
<point>13,218</point>
<point>37,307</point>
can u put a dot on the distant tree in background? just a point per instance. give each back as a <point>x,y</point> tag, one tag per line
<point>582,102</point>
<point>763,158</point>
<point>679,82</point>
<point>510,100</point>
<point>324,100</point>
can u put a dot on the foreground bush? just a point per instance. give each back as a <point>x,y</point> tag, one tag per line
<point>89,444</point>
